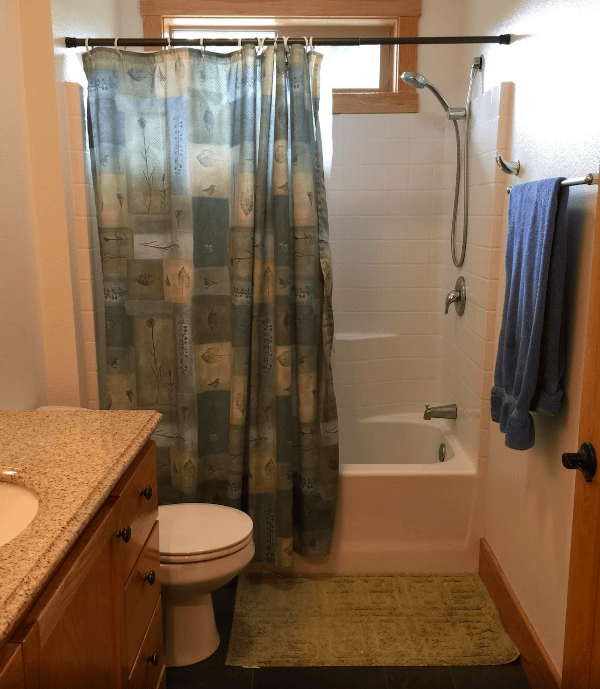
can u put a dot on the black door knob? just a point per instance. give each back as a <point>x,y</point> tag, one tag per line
<point>147,492</point>
<point>153,658</point>
<point>150,577</point>
<point>584,460</point>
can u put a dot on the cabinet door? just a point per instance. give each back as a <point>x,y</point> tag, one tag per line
<point>12,671</point>
<point>77,615</point>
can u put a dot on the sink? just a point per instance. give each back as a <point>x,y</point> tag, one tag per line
<point>18,507</point>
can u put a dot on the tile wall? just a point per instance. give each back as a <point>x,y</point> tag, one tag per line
<point>383,214</point>
<point>468,341</point>
<point>390,207</point>
<point>87,281</point>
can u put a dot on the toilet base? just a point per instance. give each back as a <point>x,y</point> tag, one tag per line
<point>189,630</point>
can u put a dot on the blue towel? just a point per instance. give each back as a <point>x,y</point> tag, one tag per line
<point>531,360</point>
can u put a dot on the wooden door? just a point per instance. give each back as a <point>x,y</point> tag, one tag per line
<point>581,663</point>
<point>77,615</point>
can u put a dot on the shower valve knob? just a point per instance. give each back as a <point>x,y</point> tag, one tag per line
<point>584,460</point>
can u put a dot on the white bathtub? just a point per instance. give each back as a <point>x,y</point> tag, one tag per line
<point>400,509</point>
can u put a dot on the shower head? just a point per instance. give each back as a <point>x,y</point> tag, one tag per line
<point>419,82</point>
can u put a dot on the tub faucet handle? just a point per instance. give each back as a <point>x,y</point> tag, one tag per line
<point>458,297</point>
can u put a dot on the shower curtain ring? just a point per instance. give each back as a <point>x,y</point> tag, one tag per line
<point>239,43</point>
<point>169,46</point>
<point>310,44</point>
<point>305,42</point>
<point>116,47</point>
<point>87,45</point>
<point>202,48</point>
<point>260,46</point>
<point>285,43</point>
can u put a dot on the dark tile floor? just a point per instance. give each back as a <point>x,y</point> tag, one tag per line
<point>212,673</point>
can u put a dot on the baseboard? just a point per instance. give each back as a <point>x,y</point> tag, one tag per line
<point>538,667</point>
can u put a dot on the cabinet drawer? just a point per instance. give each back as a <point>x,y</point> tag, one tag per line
<point>145,674</point>
<point>141,595</point>
<point>138,505</point>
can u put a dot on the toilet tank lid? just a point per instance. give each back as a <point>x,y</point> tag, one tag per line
<point>188,528</point>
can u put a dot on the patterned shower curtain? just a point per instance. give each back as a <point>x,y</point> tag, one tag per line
<point>208,174</point>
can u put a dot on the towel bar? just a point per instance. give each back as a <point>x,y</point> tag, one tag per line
<point>588,179</point>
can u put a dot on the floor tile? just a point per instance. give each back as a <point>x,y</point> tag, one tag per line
<point>419,678</point>
<point>319,678</point>
<point>490,677</point>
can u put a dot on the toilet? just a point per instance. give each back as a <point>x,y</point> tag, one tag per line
<point>202,547</point>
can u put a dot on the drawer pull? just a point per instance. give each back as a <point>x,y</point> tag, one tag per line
<point>150,577</point>
<point>153,658</point>
<point>147,492</point>
<point>125,534</point>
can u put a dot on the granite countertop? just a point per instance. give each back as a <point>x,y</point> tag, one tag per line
<point>71,460</point>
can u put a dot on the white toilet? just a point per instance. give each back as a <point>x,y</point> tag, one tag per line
<point>202,547</point>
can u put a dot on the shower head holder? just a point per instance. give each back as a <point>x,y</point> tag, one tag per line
<point>511,167</point>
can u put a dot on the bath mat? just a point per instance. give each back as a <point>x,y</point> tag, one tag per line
<point>395,619</point>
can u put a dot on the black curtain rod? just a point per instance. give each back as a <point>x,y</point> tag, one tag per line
<point>71,42</point>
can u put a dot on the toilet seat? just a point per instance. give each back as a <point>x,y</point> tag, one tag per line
<point>209,532</point>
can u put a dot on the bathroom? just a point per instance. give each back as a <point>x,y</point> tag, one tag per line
<point>390,206</point>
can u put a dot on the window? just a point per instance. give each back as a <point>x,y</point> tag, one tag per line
<point>367,80</point>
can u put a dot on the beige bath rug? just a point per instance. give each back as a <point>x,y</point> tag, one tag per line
<point>396,619</point>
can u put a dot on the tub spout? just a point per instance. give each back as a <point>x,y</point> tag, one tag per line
<point>446,411</point>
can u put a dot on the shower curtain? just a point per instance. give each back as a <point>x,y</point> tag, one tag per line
<point>212,217</point>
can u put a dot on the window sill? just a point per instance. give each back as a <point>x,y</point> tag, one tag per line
<point>374,103</point>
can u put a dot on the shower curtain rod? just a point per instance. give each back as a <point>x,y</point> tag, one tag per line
<point>71,42</point>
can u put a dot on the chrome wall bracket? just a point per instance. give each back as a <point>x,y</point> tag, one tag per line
<point>511,167</point>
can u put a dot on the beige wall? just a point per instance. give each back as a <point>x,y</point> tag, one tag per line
<point>22,368</point>
<point>556,131</point>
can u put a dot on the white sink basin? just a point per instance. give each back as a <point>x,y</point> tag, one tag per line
<point>18,507</point>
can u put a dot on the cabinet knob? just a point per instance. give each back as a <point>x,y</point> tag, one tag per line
<point>150,577</point>
<point>125,534</point>
<point>153,658</point>
<point>147,492</point>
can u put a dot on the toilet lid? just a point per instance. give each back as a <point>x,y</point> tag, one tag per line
<point>196,528</point>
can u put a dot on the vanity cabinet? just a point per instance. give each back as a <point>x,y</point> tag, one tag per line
<point>97,624</point>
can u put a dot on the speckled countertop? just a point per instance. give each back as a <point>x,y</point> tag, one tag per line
<point>71,460</point>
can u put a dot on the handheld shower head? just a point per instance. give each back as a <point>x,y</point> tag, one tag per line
<point>414,79</point>
<point>419,82</point>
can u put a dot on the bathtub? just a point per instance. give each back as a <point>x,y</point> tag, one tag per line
<point>400,509</point>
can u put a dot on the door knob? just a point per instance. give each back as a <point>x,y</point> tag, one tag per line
<point>584,460</point>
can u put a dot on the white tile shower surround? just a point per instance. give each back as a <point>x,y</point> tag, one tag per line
<point>87,284</point>
<point>468,349</point>
<point>390,205</point>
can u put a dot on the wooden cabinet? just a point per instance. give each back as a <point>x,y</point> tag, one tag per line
<point>97,624</point>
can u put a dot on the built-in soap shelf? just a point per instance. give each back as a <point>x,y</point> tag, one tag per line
<point>355,346</point>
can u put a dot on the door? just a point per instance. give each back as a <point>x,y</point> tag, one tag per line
<point>581,662</point>
<point>76,615</point>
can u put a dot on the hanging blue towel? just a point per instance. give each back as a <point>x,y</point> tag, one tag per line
<point>530,360</point>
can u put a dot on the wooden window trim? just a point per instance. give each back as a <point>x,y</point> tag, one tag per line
<point>405,13</point>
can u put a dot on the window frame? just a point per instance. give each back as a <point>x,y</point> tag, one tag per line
<point>402,16</point>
